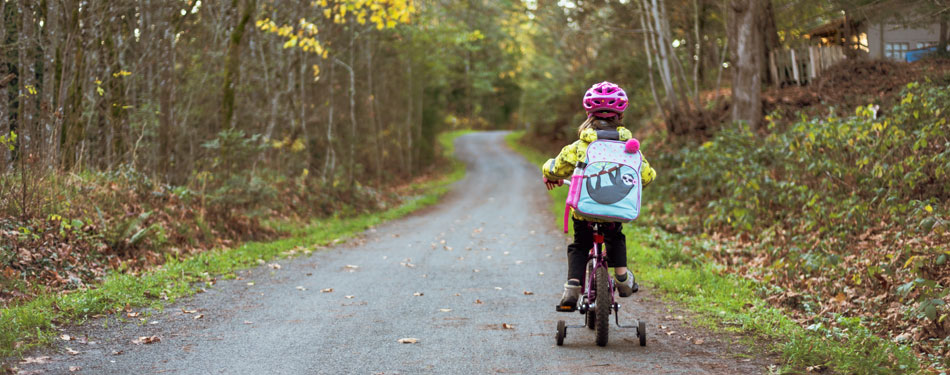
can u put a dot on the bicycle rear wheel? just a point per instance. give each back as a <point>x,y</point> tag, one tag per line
<point>602,324</point>
<point>590,319</point>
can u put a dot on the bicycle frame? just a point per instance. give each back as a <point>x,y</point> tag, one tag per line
<point>596,259</point>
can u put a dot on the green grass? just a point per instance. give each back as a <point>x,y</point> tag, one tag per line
<point>724,302</point>
<point>33,324</point>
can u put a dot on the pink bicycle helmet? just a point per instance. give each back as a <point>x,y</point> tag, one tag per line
<point>605,100</point>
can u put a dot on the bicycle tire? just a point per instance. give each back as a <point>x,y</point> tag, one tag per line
<point>602,325</point>
<point>590,318</point>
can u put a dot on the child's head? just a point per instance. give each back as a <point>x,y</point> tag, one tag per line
<point>604,103</point>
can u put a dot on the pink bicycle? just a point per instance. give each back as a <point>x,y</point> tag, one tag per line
<point>598,299</point>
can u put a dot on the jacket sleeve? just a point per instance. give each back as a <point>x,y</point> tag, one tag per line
<point>647,173</point>
<point>562,166</point>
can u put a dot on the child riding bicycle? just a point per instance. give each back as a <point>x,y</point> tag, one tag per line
<point>604,103</point>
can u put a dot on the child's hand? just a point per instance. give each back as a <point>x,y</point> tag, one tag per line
<point>552,184</point>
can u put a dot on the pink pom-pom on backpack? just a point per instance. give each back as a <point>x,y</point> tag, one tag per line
<point>632,146</point>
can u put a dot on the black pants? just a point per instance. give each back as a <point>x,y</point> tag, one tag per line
<point>615,241</point>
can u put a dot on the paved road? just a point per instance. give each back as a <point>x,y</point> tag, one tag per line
<point>489,256</point>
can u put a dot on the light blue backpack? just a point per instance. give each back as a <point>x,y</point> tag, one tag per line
<point>607,184</point>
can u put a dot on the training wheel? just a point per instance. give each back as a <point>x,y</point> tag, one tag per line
<point>642,332</point>
<point>561,332</point>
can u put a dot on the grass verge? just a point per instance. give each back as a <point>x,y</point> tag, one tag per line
<point>34,323</point>
<point>730,303</point>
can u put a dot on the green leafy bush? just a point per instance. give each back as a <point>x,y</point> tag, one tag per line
<point>848,214</point>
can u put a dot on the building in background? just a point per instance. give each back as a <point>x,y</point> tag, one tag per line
<point>881,32</point>
<point>893,41</point>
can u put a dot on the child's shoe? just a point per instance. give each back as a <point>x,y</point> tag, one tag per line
<point>626,284</point>
<point>572,291</point>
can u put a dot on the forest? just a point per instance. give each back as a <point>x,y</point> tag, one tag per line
<point>135,131</point>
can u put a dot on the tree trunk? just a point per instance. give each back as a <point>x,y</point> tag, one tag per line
<point>942,44</point>
<point>232,66</point>
<point>771,40</point>
<point>661,46</point>
<point>746,39</point>
<point>377,149</point>
<point>646,48</point>
<point>409,109</point>
<point>25,115</point>
<point>330,165</point>
<point>699,24</point>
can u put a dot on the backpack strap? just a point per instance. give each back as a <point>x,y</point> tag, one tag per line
<point>608,134</point>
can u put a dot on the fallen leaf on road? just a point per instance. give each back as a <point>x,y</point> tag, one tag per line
<point>199,316</point>
<point>250,283</point>
<point>507,326</point>
<point>662,326</point>
<point>248,322</point>
<point>36,360</point>
<point>478,302</point>
<point>66,338</point>
<point>445,310</point>
<point>71,351</point>
<point>519,261</point>
<point>132,314</point>
<point>449,248</point>
<point>540,273</point>
<point>146,340</point>
<point>497,288</point>
<point>408,340</point>
<point>698,341</point>
<point>74,368</point>
<point>507,252</point>
<point>118,352</point>
<point>417,294</point>
<point>670,333</point>
<point>528,293</point>
<point>351,267</point>
<point>274,266</point>
<point>817,368</point>
<point>475,270</point>
<point>457,295</point>
<point>188,311</point>
<point>488,257</point>
<point>349,297</point>
<point>327,290</point>
<point>301,288</point>
<point>407,265</point>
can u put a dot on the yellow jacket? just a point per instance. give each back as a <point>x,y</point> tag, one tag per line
<point>562,166</point>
